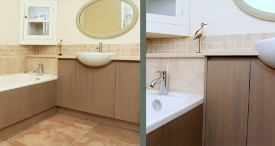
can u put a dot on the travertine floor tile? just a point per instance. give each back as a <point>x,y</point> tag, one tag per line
<point>49,133</point>
<point>117,134</point>
<point>73,122</point>
<point>91,139</point>
<point>11,142</point>
<point>63,130</point>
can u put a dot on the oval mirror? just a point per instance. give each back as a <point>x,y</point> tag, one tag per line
<point>103,19</point>
<point>262,9</point>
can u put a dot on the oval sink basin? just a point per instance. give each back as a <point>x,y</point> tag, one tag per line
<point>94,59</point>
<point>266,50</point>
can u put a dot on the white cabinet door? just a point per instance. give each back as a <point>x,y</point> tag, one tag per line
<point>165,11</point>
<point>167,18</point>
<point>38,24</point>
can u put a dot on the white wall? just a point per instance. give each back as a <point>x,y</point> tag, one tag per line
<point>224,17</point>
<point>9,22</point>
<point>67,29</point>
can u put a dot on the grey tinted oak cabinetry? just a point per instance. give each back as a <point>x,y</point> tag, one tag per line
<point>240,102</point>
<point>227,101</point>
<point>21,103</point>
<point>261,121</point>
<point>95,89</point>
<point>127,91</point>
<point>111,90</point>
<point>66,83</point>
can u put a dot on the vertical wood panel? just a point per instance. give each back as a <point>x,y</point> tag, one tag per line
<point>101,90</point>
<point>227,102</point>
<point>21,103</point>
<point>186,129</point>
<point>66,83</point>
<point>95,90</point>
<point>155,138</point>
<point>261,123</point>
<point>81,88</point>
<point>128,92</point>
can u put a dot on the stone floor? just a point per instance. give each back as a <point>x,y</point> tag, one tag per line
<point>62,130</point>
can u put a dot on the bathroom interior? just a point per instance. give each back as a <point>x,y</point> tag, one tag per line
<point>210,72</point>
<point>69,72</point>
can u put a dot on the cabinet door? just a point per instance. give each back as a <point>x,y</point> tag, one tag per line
<point>127,91</point>
<point>164,11</point>
<point>38,22</point>
<point>96,93</point>
<point>167,17</point>
<point>227,101</point>
<point>261,128</point>
<point>66,84</point>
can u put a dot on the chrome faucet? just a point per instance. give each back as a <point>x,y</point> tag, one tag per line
<point>99,47</point>
<point>162,80</point>
<point>41,69</point>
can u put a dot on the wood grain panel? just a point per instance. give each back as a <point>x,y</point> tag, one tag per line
<point>99,95</point>
<point>66,83</point>
<point>227,101</point>
<point>261,123</point>
<point>186,129</point>
<point>127,105</point>
<point>21,103</point>
<point>10,105</point>
<point>155,138</point>
<point>81,88</point>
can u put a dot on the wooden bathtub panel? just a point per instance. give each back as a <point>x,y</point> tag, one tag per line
<point>21,103</point>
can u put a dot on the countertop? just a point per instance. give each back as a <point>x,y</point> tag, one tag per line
<point>247,52</point>
<point>131,58</point>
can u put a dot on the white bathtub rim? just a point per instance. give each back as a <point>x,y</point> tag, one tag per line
<point>178,111</point>
<point>52,77</point>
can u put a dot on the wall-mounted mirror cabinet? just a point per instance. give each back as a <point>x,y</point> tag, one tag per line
<point>261,9</point>
<point>38,22</point>
<point>104,19</point>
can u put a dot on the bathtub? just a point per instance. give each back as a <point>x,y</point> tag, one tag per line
<point>168,107</point>
<point>14,81</point>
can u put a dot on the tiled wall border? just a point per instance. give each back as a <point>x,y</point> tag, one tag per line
<point>13,57</point>
<point>188,45</point>
<point>119,49</point>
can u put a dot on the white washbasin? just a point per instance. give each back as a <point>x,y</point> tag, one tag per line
<point>266,50</point>
<point>94,59</point>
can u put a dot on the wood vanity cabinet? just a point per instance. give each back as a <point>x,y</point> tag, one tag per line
<point>240,102</point>
<point>261,119</point>
<point>111,90</point>
<point>95,89</point>
<point>227,101</point>
<point>66,83</point>
<point>127,91</point>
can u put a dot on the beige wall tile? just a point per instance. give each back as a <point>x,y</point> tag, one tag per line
<point>1,66</point>
<point>33,63</point>
<point>51,65</point>
<point>186,75</point>
<point>17,64</point>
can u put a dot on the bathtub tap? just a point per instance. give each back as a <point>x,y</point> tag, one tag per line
<point>41,69</point>
<point>162,81</point>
